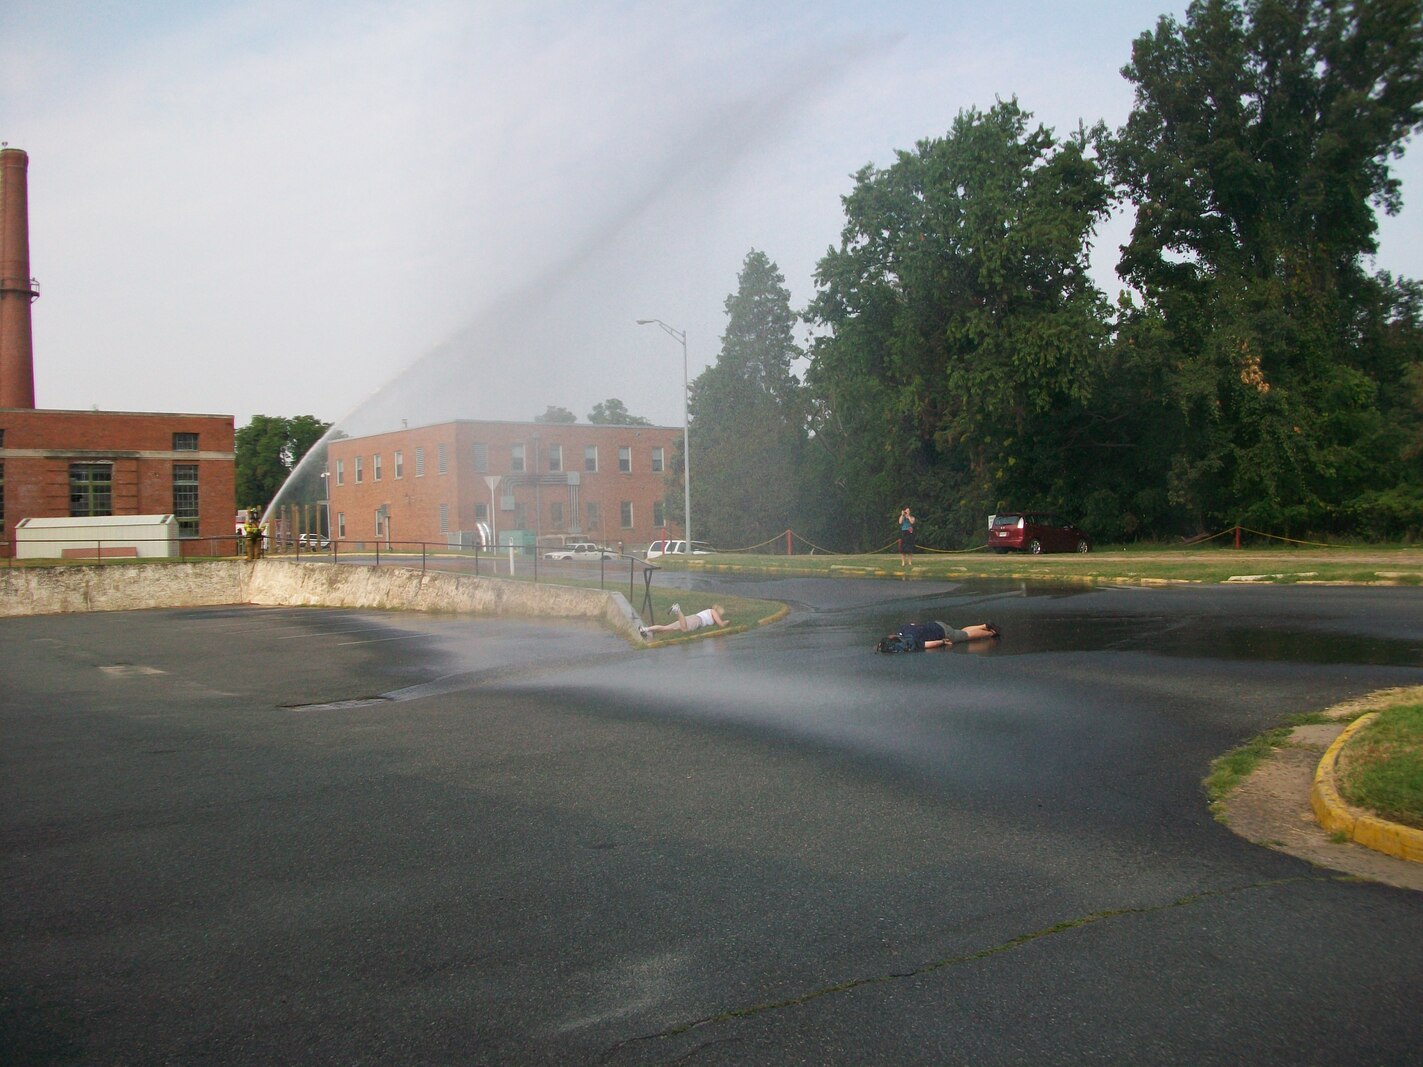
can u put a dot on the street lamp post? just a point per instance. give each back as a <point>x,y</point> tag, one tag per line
<point>681,336</point>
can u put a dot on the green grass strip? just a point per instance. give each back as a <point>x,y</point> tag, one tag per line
<point>1381,767</point>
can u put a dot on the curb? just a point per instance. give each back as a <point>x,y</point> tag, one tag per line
<point>1337,816</point>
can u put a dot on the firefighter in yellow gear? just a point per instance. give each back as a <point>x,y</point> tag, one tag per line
<point>253,531</point>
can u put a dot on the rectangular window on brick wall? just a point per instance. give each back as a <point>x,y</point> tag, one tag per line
<point>657,460</point>
<point>479,454</point>
<point>625,459</point>
<point>399,459</point>
<point>555,515</point>
<point>91,489</point>
<point>185,442</point>
<point>442,460</point>
<point>375,467</point>
<point>595,516</point>
<point>419,463</point>
<point>340,524</point>
<point>340,472</point>
<point>590,459</point>
<point>357,471</point>
<point>659,513</point>
<point>516,459</point>
<point>185,498</point>
<point>444,518</point>
<point>625,514</point>
<point>555,458</point>
<point>2,501</point>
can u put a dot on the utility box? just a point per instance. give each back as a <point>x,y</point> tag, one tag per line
<point>98,537</point>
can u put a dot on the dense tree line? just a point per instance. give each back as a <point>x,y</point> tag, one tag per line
<point>1253,370</point>
<point>268,449</point>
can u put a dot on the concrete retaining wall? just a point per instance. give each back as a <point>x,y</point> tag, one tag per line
<point>115,587</point>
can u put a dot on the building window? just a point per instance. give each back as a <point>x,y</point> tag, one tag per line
<point>480,453</point>
<point>185,442</point>
<point>356,470</point>
<point>340,472</point>
<point>555,515</point>
<point>625,514</point>
<point>659,513</point>
<point>444,518</point>
<point>375,467</point>
<point>380,523</point>
<point>555,458</point>
<point>481,513</point>
<point>595,516</point>
<point>625,459</point>
<point>91,489</point>
<point>442,460</point>
<point>185,498</point>
<point>590,459</point>
<point>657,460</point>
<point>516,459</point>
<point>2,496</point>
<point>399,463</point>
<point>340,524</point>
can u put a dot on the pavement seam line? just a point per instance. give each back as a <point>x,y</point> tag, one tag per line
<point>968,957</point>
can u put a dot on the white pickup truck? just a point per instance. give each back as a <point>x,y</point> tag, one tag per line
<point>579,550</point>
<point>677,548</point>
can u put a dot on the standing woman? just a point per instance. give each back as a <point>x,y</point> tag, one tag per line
<point>906,538</point>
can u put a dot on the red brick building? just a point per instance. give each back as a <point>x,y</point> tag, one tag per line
<point>56,464</point>
<point>82,464</point>
<point>554,481</point>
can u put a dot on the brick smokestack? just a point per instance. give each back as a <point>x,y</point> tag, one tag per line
<point>17,290</point>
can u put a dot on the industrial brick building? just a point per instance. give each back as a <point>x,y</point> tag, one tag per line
<point>527,482</point>
<point>80,464</point>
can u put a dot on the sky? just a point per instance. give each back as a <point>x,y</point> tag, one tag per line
<point>432,209</point>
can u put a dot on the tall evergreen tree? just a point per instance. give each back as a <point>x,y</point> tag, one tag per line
<point>746,423</point>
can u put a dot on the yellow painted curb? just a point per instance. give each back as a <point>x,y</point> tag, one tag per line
<point>1337,816</point>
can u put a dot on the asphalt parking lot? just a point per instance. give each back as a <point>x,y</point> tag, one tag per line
<point>257,835</point>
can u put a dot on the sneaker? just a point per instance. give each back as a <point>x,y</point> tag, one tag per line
<point>674,610</point>
<point>644,633</point>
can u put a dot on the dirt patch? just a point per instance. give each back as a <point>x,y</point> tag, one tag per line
<point>1271,807</point>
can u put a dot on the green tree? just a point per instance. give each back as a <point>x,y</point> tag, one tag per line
<point>747,428</point>
<point>556,415</point>
<point>961,330</point>
<point>1255,156</point>
<point>611,412</point>
<point>267,450</point>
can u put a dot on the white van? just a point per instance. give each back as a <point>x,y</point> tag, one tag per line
<point>677,548</point>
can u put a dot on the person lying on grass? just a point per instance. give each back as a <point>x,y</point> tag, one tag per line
<point>919,636</point>
<point>712,616</point>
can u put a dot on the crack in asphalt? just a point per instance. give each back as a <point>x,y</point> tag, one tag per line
<point>968,957</point>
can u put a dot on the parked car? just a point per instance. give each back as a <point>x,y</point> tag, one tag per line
<point>677,548</point>
<point>1034,532</point>
<point>580,550</point>
<point>311,540</point>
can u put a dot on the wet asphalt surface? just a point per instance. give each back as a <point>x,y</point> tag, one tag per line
<point>254,835</point>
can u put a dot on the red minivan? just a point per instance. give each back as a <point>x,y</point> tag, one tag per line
<point>1034,532</point>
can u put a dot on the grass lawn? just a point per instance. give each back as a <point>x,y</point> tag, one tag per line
<point>1381,767</point>
<point>1359,564</point>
